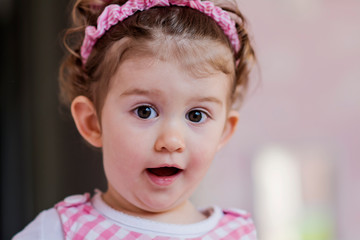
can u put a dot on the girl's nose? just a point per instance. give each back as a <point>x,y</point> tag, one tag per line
<point>170,140</point>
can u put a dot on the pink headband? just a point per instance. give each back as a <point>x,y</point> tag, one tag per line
<point>114,13</point>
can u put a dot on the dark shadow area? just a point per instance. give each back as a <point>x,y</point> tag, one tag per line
<point>43,158</point>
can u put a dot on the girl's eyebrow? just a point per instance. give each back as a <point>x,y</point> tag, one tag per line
<point>145,92</point>
<point>138,91</point>
<point>209,99</point>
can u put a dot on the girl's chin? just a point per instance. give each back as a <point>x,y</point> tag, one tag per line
<point>164,203</point>
<point>161,206</point>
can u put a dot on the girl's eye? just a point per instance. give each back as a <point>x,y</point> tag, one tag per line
<point>145,112</point>
<point>197,116</point>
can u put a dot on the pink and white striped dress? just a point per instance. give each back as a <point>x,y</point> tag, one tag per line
<point>85,218</point>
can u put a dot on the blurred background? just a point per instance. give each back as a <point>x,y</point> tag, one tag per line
<point>294,162</point>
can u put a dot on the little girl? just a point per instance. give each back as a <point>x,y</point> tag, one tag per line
<point>154,84</point>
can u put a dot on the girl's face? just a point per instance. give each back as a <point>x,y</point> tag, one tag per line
<point>161,128</point>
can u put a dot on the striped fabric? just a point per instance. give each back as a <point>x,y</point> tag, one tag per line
<point>81,221</point>
<point>114,13</point>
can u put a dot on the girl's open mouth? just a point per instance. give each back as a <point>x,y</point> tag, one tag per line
<point>163,176</point>
<point>164,171</point>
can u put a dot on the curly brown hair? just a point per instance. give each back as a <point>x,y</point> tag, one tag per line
<point>173,32</point>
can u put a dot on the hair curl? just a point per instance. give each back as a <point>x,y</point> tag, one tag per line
<point>174,23</point>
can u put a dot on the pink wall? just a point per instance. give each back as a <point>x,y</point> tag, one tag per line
<point>308,95</point>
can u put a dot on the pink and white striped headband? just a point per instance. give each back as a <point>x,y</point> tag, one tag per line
<point>114,13</point>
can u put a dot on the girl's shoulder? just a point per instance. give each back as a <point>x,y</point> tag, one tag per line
<point>46,225</point>
<point>234,224</point>
<point>238,214</point>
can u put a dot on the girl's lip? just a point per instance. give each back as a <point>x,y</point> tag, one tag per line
<point>163,181</point>
<point>168,165</point>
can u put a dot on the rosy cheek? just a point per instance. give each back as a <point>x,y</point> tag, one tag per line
<point>201,157</point>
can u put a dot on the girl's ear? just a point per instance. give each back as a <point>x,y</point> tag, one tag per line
<point>230,127</point>
<point>86,120</point>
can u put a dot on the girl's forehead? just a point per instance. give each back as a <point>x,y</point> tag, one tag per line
<point>152,77</point>
<point>145,75</point>
<point>198,57</point>
<point>151,65</point>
